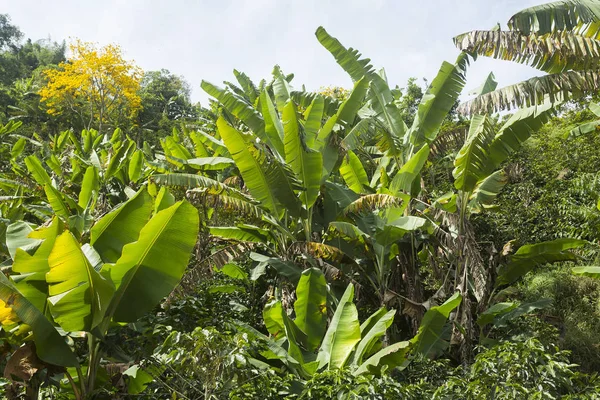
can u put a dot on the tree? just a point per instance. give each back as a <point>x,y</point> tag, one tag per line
<point>9,33</point>
<point>409,100</point>
<point>559,38</point>
<point>165,100</point>
<point>97,85</point>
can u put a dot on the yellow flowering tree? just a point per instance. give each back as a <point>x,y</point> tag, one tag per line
<point>97,85</point>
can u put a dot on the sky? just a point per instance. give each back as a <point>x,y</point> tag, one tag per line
<point>207,39</point>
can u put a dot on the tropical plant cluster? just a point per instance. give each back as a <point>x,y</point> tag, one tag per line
<point>374,242</point>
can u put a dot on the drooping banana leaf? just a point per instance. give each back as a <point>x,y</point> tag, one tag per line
<point>532,255</point>
<point>565,15</point>
<point>50,346</point>
<point>267,180</point>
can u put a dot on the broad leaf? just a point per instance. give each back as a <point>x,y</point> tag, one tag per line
<point>354,173</point>
<point>150,268</point>
<point>311,306</point>
<point>428,340</point>
<point>532,255</point>
<point>121,226</point>
<point>342,334</point>
<point>50,346</point>
<point>307,164</point>
<point>79,296</point>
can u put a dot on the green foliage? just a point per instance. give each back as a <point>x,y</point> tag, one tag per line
<point>574,310</point>
<point>520,370</point>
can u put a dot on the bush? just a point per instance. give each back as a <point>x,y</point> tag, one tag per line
<point>520,370</point>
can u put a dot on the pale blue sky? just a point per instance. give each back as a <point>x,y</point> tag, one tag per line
<point>207,39</point>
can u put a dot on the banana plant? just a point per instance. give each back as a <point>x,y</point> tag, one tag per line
<point>284,154</point>
<point>190,152</point>
<point>558,38</point>
<point>307,344</point>
<point>78,177</point>
<point>136,255</point>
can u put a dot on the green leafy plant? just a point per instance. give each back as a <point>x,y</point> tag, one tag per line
<point>136,256</point>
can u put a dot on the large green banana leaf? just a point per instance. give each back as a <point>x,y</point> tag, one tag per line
<point>471,163</point>
<point>17,237</point>
<point>354,173</point>
<point>349,59</point>
<point>307,164</point>
<point>273,317</point>
<point>136,165</point>
<point>242,234</point>
<point>311,306</point>
<point>487,189</point>
<point>393,355</point>
<point>121,226</point>
<point>79,296</point>
<point>428,340</point>
<point>247,85</point>
<point>37,171</point>
<point>348,109</point>
<point>151,267</point>
<point>438,100</point>
<point>342,334</point>
<point>388,113</point>
<point>312,120</point>
<point>33,267</point>
<point>517,130</point>
<point>532,255</point>
<point>564,15</point>
<point>238,107</point>
<point>50,346</point>
<point>281,88</point>
<point>489,85</point>
<point>592,272</point>
<point>404,179</point>
<point>267,180</point>
<point>371,331</point>
<point>89,188</point>
<point>55,199</point>
<point>273,126</point>
<point>191,181</point>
